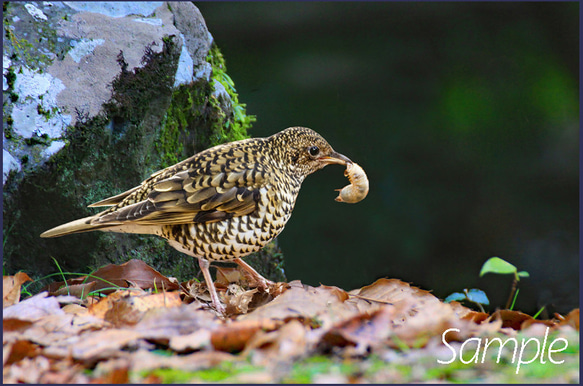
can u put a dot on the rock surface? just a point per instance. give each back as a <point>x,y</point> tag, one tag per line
<point>97,97</point>
<point>51,94</point>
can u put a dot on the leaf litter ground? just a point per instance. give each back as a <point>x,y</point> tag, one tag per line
<point>128,323</point>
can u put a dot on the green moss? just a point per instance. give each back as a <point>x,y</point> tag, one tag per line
<point>222,372</point>
<point>198,119</point>
<point>10,78</point>
<point>37,140</point>
<point>134,91</point>
<point>43,112</point>
<point>239,122</point>
<point>146,125</point>
<point>8,129</point>
<point>45,36</point>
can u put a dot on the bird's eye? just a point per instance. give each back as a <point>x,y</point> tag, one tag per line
<point>314,150</point>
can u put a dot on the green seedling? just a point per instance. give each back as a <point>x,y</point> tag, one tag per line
<point>474,295</point>
<point>500,266</point>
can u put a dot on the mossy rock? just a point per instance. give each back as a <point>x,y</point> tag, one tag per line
<point>145,126</point>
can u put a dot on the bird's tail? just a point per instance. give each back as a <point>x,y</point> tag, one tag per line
<point>77,226</point>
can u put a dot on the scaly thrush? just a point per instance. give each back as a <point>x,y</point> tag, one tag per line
<point>220,204</point>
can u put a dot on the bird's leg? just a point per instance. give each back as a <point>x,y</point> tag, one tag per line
<point>204,267</point>
<point>263,282</point>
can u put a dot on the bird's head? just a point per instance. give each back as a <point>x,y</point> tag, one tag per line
<point>304,151</point>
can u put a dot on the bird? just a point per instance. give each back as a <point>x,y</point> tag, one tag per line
<point>222,203</point>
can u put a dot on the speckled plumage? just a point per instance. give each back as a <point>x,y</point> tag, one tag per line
<point>222,203</point>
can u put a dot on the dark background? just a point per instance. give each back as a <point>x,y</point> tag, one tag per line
<point>464,116</point>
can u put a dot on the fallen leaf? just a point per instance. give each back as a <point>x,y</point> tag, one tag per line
<point>15,325</point>
<point>45,331</point>
<point>326,304</point>
<point>75,309</point>
<point>78,290</point>
<point>11,288</point>
<point>114,275</point>
<point>228,275</point>
<point>100,308</point>
<point>28,370</point>
<point>128,310</point>
<point>91,346</point>
<point>237,299</point>
<point>19,350</point>
<point>162,324</point>
<point>516,320</point>
<point>116,376</point>
<point>364,330</point>
<point>194,341</point>
<point>572,319</point>
<point>144,360</point>
<point>284,344</point>
<point>34,308</point>
<point>233,337</point>
<point>389,291</point>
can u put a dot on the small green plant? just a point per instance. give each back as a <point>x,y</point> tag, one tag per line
<point>478,297</point>
<point>26,291</point>
<point>500,266</point>
<point>474,295</point>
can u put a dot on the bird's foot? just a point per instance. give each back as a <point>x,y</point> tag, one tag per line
<point>261,282</point>
<point>204,267</point>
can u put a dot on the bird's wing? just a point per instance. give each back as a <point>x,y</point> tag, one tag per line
<point>203,195</point>
<point>117,199</point>
<point>114,200</point>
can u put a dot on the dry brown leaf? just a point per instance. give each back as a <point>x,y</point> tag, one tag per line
<point>162,324</point>
<point>11,288</point>
<point>45,331</point>
<point>34,308</point>
<point>42,370</point>
<point>228,275</point>
<point>112,275</point>
<point>517,320</point>
<point>19,350</point>
<point>123,313</point>
<point>91,346</point>
<point>389,291</point>
<point>476,317</point>
<point>75,309</point>
<point>237,299</point>
<point>363,330</point>
<point>115,376</point>
<point>464,312</point>
<point>102,344</point>
<point>162,299</point>
<point>572,319</point>
<point>286,343</point>
<point>327,304</point>
<point>15,325</point>
<point>416,326</point>
<point>233,337</point>
<point>78,290</point>
<point>129,310</point>
<point>100,308</point>
<point>28,370</point>
<point>144,360</point>
<point>195,341</point>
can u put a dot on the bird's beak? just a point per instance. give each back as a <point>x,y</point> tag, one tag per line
<point>335,158</point>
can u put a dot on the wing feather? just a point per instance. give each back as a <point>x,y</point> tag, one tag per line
<point>179,200</point>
